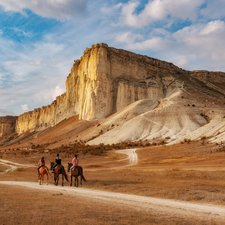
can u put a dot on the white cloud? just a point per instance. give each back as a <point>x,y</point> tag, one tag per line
<point>214,9</point>
<point>182,62</point>
<point>25,107</point>
<point>137,42</point>
<point>108,10</point>
<point>213,27</point>
<point>159,10</point>
<point>58,9</point>
<point>204,40</point>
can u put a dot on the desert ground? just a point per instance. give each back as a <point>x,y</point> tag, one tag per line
<point>175,184</point>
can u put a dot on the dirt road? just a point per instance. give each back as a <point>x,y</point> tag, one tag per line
<point>139,202</point>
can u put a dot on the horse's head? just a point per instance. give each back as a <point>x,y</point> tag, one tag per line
<point>69,165</point>
<point>51,165</point>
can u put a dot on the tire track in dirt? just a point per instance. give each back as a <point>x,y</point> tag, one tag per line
<point>179,208</point>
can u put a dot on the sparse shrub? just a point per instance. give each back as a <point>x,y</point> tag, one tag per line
<point>182,96</point>
<point>188,105</point>
<point>193,105</point>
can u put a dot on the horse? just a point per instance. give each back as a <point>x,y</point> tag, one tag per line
<point>76,172</point>
<point>42,171</point>
<point>59,169</point>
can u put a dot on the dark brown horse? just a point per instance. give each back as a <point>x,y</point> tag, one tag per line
<point>42,171</point>
<point>76,172</point>
<point>59,169</point>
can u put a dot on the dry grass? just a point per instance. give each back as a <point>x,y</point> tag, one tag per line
<point>188,172</point>
<point>25,206</point>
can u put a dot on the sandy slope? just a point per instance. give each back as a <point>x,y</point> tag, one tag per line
<point>169,120</point>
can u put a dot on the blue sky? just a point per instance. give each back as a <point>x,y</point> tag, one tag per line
<point>40,39</point>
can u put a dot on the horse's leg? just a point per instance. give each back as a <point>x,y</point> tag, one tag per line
<point>55,179</point>
<point>39,178</point>
<point>80,180</point>
<point>76,181</point>
<point>47,179</point>
<point>62,179</point>
<point>71,180</point>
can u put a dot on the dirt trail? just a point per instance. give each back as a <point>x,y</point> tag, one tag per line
<point>13,166</point>
<point>139,202</point>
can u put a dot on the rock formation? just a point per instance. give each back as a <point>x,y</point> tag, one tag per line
<point>7,125</point>
<point>104,81</point>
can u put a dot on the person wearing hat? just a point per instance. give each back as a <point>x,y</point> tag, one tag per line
<point>57,162</point>
<point>75,162</point>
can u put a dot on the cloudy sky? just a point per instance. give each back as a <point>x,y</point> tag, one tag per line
<point>39,40</point>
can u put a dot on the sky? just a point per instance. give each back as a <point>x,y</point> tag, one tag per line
<point>40,39</point>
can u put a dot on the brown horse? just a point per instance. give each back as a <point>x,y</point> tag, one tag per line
<point>59,169</point>
<point>76,172</point>
<point>42,171</point>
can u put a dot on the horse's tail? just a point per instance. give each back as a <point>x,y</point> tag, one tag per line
<point>46,169</point>
<point>64,173</point>
<point>82,177</point>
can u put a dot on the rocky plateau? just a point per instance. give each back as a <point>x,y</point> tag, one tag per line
<point>115,96</point>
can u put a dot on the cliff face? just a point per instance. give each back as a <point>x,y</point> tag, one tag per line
<point>7,125</point>
<point>106,80</point>
<point>44,117</point>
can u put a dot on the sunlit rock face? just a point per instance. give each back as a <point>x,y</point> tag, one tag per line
<point>105,80</point>
<point>7,125</point>
<point>44,117</point>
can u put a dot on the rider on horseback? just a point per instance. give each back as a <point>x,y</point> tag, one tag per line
<point>75,162</point>
<point>41,163</point>
<point>57,162</point>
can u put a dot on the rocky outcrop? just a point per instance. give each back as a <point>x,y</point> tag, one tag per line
<point>208,76</point>
<point>104,81</point>
<point>44,117</point>
<point>7,125</point>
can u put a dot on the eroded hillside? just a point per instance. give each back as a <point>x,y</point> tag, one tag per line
<point>115,96</point>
